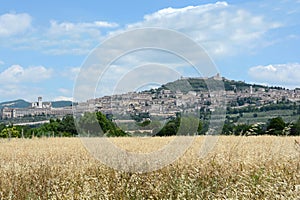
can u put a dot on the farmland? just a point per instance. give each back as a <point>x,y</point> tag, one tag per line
<point>238,167</point>
<point>263,117</point>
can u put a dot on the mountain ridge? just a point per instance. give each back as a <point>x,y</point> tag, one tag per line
<point>21,103</point>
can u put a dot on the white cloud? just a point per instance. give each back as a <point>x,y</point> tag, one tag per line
<point>18,74</point>
<point>2,62</point>
<point>74,71</point>
<point>103,24</point>
<point>67,50</point>
<point>63,98</point>
<point>12,24</point>
<point>24,82</point>
<point>277,74</point>
<point>73,38</point>
<point>75,30</point>
<point>61,38</point>
<point>11,91</point>
<point>65,94</point>
<point>70,72</point>
<point>222,29</point>
<point>64,91</point>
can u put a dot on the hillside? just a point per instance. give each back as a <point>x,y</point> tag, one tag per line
<point>59,104</point>
<point>199,84</point>
<point>20,103</point>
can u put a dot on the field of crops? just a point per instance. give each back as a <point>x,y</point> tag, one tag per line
<point>260,167</point>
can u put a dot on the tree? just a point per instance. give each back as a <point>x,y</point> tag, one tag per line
<point>10,132</point>
<point>241,129</point>
<point>228,128</point>
<point>182,125</point>
<point>189,125</point>
<point>89,125</point>
<point>200,127</point>
<point>275,126</point>
<point>108,127</point>
<point>204,125</point>
<point>170,128</point>
<point>295,129</point>
<point>67,125</point>
<point>2,126</point>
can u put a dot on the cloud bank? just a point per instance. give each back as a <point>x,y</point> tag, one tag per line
<point>222,29</point>
<point>13,24</point>
<point>274,74</point>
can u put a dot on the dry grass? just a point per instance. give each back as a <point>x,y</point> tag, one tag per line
<point>260,167</point>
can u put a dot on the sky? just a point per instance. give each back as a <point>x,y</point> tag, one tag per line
<point>44,45</point>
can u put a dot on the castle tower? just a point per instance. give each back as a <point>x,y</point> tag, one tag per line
<point>40,102</point>
<point>217,77</point>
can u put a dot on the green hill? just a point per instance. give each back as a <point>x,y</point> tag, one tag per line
<point>199,84</point>
<point>20,103</point>
<point>59,104</point>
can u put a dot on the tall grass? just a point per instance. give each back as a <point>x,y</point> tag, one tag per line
<point>261,167</point>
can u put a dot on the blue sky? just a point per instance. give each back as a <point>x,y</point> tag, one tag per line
<point>44,44</point>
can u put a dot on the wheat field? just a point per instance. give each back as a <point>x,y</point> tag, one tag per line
<point>260,167</point>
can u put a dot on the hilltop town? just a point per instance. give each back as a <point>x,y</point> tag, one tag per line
<point>165,101</point>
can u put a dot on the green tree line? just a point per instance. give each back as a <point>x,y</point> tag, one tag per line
<point>89,125</point>
<point>274,126</point>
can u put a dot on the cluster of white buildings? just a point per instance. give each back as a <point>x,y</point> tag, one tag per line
<point>37,109</point>
<point>166,103</point>
<point>162,103</point>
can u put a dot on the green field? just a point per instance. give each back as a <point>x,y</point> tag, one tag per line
<point>263,117</point>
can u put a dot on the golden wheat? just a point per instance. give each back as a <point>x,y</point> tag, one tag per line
<point>261,167</point>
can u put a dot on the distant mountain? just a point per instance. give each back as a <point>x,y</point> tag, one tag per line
<point>59,104</point>
<point>20,103</point>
